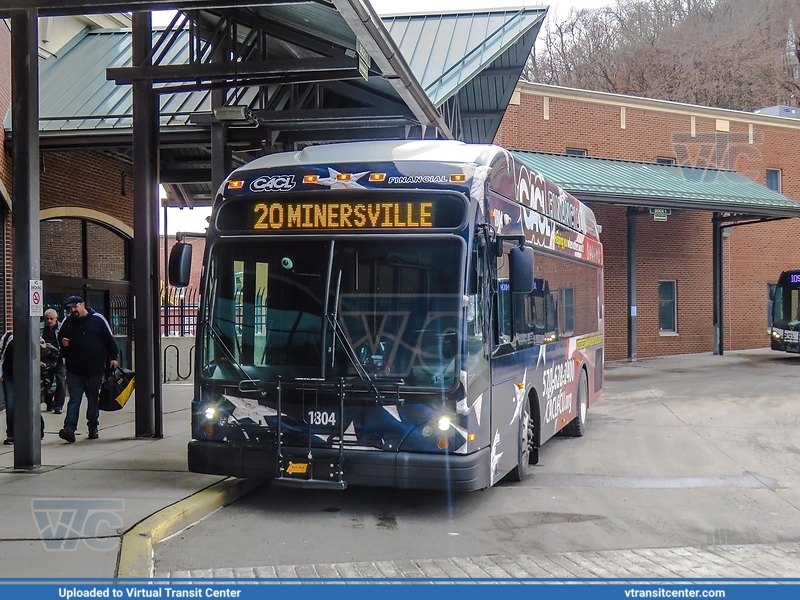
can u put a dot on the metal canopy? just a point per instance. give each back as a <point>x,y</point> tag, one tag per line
<point>295,66</point>
<point>298,68</point>
<point>469,63</point>
<point>635,184</point>
<point>732,198</point>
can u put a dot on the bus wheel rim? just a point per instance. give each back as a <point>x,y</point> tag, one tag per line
<point>584,400</point>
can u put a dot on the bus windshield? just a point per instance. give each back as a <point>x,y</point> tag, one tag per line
<point>359,309</point>
<point>786,301</point>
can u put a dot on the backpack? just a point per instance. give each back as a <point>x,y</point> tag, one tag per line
<point>48,356</point>
<point>4,341</point>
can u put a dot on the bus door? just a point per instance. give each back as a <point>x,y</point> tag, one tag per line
<point>479,342</point>
<point>507,371</point>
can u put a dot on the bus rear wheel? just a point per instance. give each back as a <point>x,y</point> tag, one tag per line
<point>577,427</point>
<point>527,454</point>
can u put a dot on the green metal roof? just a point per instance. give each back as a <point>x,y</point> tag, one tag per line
<point>446,51</point>
<point>469,59</point>
<point>659,186</point>
<point>476,55</point>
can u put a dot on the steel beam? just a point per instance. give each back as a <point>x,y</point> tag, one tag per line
<point>153,198</point>
<point>25,231</point>
<point>261,69</point>
<point>79,140</point>
<point>280,30</point>
<point>145,202</point>
<point>220,152</point>
<point>81,7</point>
<point>716,260</point>
<point>368,28</point>
<point>335,118</point>
<point>632,215</point>
<point>346,135</point>
<point>179,176</point>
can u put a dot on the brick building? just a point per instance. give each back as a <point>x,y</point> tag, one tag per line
<point>86,207</point>
<point>86,213</point>
<point>673,256</point>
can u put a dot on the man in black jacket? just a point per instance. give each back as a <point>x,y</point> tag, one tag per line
<point>89,348</point>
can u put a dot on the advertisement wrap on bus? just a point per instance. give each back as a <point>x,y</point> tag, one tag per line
<point>410,314</point>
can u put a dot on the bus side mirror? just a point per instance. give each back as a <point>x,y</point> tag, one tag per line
<point>521,270</point>
<point>180,264</point>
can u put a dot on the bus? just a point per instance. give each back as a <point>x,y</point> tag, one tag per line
<point>407,314</point>
<point>786,313</point>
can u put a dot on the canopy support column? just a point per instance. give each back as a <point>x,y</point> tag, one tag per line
<point>716,258</point>
<point>632,214</point>
<point>25,231</point>
<point>145,238</point>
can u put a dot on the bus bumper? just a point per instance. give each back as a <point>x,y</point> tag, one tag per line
<point>378,469</point>
<point>784,346</point>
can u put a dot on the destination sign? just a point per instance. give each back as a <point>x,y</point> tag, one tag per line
<point>348,211</point>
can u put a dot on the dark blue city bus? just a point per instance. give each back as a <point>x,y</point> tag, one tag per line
<point>408,314</point>
<point>786,313</point>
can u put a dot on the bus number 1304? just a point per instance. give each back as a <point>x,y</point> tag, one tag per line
<point>321,417</point>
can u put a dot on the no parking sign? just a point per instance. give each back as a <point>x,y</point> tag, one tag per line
<point>36,290</point>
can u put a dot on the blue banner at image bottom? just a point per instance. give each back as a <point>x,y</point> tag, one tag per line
<point>353,589</point>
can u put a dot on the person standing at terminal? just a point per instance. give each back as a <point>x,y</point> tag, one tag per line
<point>7,377</point>
<point>49,333</point>
<point>89,348</point>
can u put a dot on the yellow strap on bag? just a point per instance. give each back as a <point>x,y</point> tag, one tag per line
<point>116,389</point>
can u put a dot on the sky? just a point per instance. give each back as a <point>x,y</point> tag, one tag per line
<point>195,219</point>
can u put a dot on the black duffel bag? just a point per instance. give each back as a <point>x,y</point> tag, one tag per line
<point>116,389</point>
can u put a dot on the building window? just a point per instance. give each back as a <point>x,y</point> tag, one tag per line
<point>576,152</point>
<point>774,179</point>
<point>667,315</point>
<point>770,296</point>
<point>663,160</point>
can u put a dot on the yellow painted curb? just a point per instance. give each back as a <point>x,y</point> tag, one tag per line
<point>136,550</point>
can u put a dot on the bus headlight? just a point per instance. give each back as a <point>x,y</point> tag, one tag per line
<point>444,423</point>
<point>210,413</point>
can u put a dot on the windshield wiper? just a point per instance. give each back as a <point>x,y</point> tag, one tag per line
<point>333,322</point>
<point>227,352</point>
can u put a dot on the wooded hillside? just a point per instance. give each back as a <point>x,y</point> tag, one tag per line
<point>739,54</point>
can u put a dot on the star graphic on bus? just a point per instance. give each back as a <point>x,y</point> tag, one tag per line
<point>519,397</point>
<point>333,182</point>
<point>495,455</point>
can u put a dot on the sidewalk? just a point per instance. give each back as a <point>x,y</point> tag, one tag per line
<point>755,561</point>
<point>92,494</point>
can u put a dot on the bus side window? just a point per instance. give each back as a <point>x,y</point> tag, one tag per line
<point>476,292</point>
<point>551,315</point>
<point>525,319</point>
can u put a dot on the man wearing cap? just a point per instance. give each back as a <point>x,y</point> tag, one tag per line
<point>89,348</point>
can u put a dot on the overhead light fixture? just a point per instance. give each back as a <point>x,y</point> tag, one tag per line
<point>235,114</point>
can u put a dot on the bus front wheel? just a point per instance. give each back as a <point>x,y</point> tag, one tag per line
<point>527,454</point>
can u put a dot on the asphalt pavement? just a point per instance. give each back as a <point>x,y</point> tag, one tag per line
<point>97,508</point>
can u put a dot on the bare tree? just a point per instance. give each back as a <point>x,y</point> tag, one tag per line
<point>724,53</point>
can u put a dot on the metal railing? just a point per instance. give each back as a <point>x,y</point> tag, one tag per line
<point>179,309</point>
